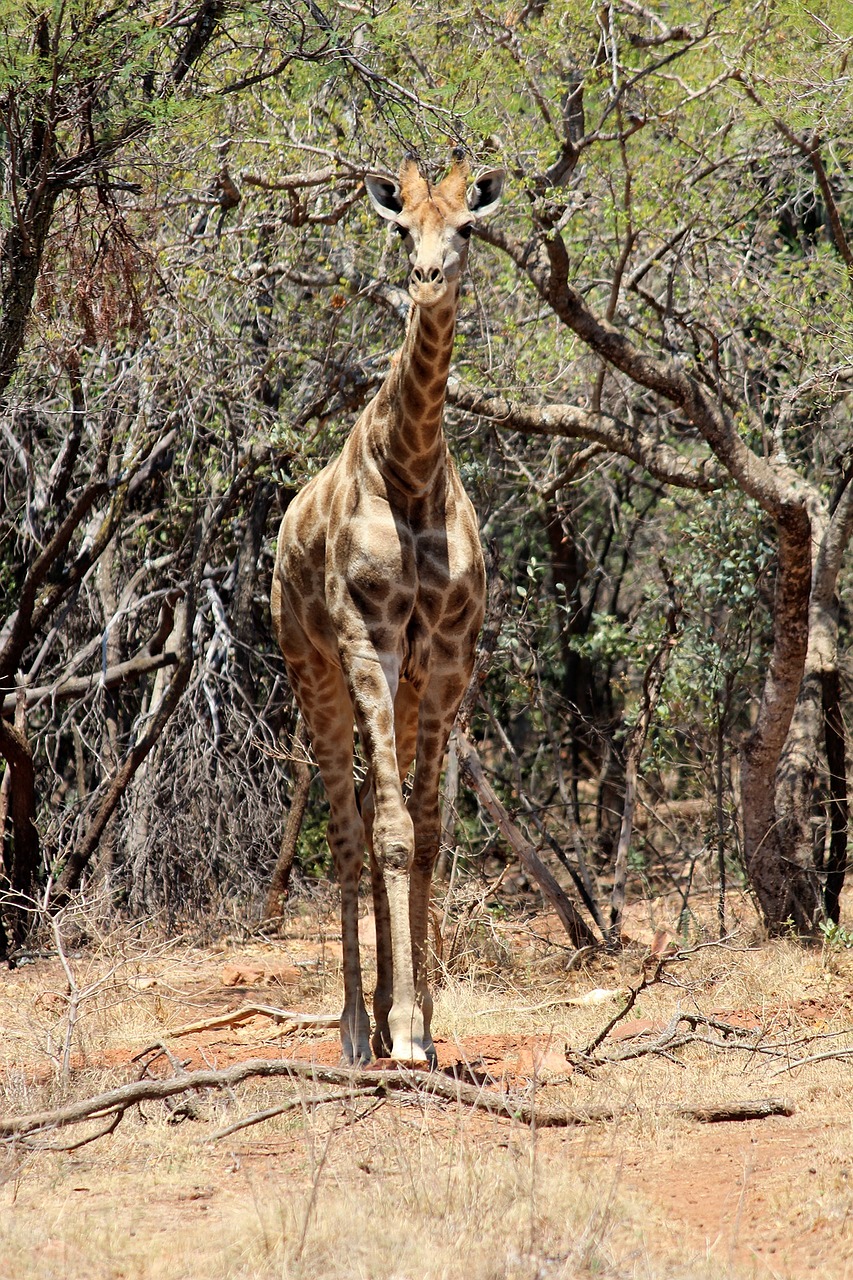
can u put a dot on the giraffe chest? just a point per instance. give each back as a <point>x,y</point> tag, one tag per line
<point>394,571</point>
<point>406,582</point>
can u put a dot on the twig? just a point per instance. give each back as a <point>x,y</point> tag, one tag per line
<point>110,1127</point>
<point>290,1104</point>
<point>74,995</point>
<point>838,1055</point>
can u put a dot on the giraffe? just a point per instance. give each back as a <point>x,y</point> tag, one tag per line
<point>377,601</point>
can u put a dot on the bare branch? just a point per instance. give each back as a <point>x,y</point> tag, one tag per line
<point>810,148</point>
<point>293,181</point>
<point>76,686</point>
<point>470,764</point>
<point>660,460</point>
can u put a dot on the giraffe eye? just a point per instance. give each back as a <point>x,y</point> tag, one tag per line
<point>465,232</point>
<point>402,232</point>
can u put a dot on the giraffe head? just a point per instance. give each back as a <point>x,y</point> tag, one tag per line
<point>435,221</point>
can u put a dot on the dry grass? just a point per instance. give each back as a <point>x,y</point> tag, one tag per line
<point>417,1191</point>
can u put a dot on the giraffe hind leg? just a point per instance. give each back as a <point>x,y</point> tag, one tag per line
<point>437,713</point>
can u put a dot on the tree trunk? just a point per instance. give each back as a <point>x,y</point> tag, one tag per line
<point>817,721</point>
<point>34,199</point>
<point>21,865</point>
<point>787,892</point>
<point>836,758</point>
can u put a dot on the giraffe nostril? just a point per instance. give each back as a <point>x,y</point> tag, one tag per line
<point>427,275</point>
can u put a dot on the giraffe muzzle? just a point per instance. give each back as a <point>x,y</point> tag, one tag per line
<point>427,285</point>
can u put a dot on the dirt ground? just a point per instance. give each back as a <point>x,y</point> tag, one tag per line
<point>407,1188</point>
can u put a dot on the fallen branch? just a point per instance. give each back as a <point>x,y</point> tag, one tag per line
<point>425,1085</point>
<point>419,1085</point>
<point>655,968</point>
<point>293,1020</point>
<point>758,1109</point>
<point>630,1000</point>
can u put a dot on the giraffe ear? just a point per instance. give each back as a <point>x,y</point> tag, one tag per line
<point>384,196</point>
<point>484,195</point>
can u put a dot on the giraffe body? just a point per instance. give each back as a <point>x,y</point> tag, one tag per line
<point>377,600</point>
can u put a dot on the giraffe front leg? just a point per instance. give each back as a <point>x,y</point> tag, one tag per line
<point>406,705</point>
<point>410,1038</point>
<point>373,686</point>
<point>383,995</point>
<point>393,838</point>
<point>427,835</point>
<point>325,704</point>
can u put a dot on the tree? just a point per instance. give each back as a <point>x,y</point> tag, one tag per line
<point>84,92</point>
<point>730,379</point>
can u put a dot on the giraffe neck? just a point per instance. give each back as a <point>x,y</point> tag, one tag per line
<point>415,447</point>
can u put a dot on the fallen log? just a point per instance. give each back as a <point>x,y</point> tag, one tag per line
<point>417,1084</point>
<point>755,1109</point>
<point>404,1080</point>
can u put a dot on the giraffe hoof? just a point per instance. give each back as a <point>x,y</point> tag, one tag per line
<point>413,1055</point>
<point>381,1045</point>
<point>362,1059</point>
<point>355,1052</point>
